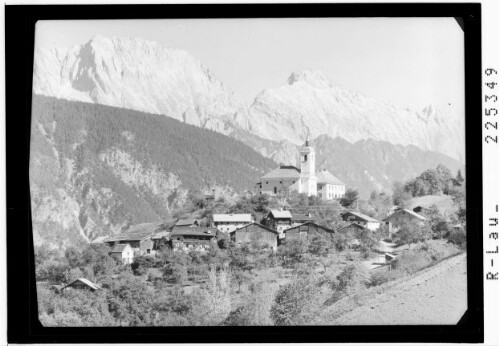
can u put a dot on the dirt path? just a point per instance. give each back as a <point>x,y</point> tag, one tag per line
<point>435,296</point>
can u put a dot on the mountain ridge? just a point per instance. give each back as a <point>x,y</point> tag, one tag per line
<point>147,76</point>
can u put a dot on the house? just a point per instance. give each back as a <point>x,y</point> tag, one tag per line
<point>122,253</point>
<point>279,220</point>
<point>255,232</point>
<point>298,219</point>
<point>227,223</point>
<point>361,219</point>
<point>187,223</point>
<point>303,179</point>
<point>82,284</point>
<point>328,186</point>
<point>192,238</point>
<point>402,216</point>
<point>138,237</point>
<point>306,230</point>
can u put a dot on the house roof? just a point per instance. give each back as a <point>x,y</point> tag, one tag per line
<point>281,214</point>
<point>186,222</point>
<point>352,224</point>
<point>325,177</point>
<point>308,224</point>
<point>302,217</point>
<point>99,240</point>
<point>410,212</point>
<point>86,282</point>
<point>283,172</point>
<point>256,224</point>
<point>361,216</point>
<point>119,248</point>
<point>195,231</point>
<point>138,232</point>
<point>232,217</point>
<point>160,235</point>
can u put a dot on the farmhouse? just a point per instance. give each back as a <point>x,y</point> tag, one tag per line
<point>279,220</point>
<point>192,238</point>
<point>306,230</point>
<point>361,219</point>
<point>298,219</point>
<point>82,284</point>
<point>187,223</point>
<point>227,223</point>
<point>160,239</point>
<point>138,237</point>
<point>403,216</point>
<point>303,179</point>
<point>122,253</point>
<point>255,232</point>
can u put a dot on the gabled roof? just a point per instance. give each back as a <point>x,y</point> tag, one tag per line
<point>280,214</point>
<point>283,172</point>
<point>309,224</point>
<point>86,282</point>
<point>161,235</point>
<point>352,224</point>
<point>186,222</point>
<point>232,218</point>
<point>410,212</point>
<point>324,177</point>
<point>99,240</point>
<point>302,217</point>
<point>361,216</point>
<point>194,231</point>
<point>119,248</point>
<point>256,224</point>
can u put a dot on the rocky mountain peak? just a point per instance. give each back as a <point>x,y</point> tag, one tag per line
<point>313,77</point>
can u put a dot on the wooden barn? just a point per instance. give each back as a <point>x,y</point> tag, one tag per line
<point>138,237</point>
<point>307,230</point>
<point>82,284</point>
<point>192,238</point>
<point>255,232</point>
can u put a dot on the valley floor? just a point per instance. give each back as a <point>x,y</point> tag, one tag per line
<point>437,295</point>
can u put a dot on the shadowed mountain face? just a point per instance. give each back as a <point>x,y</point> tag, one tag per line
<point>97,170</point>
<point>147,76</point>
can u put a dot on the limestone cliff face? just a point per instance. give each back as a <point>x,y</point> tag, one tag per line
<point>147,76</point>
<point>141,75</point>
<point>310,103</point>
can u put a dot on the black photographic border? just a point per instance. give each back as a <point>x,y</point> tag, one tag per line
<point>23,324</point>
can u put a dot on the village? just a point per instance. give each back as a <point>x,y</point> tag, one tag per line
<point>375,243</point>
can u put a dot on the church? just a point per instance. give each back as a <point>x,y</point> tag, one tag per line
<point>303,180</point>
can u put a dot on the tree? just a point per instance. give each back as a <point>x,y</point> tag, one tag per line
<point>459,180</point>
<point>412,232</point>
<point>350,197</point>
<point>296,303</point>
<point>400,196</point>
<point>353,278</point>
<point>319,245</point>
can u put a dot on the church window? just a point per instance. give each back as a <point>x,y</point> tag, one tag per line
<point>266,182</point>
<point>275,190</point>
<point>305,158</point>
<point>280,182</point>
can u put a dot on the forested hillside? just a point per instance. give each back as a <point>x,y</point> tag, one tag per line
<point>96,169</point>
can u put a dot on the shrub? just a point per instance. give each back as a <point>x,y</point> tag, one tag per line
<point>412,261</point>
<point>353,278</point>
<point>383,277</point>
<point>438,249</point>
<point>458,237</point>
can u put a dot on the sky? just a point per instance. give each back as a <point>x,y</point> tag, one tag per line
<point>409,62</point>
